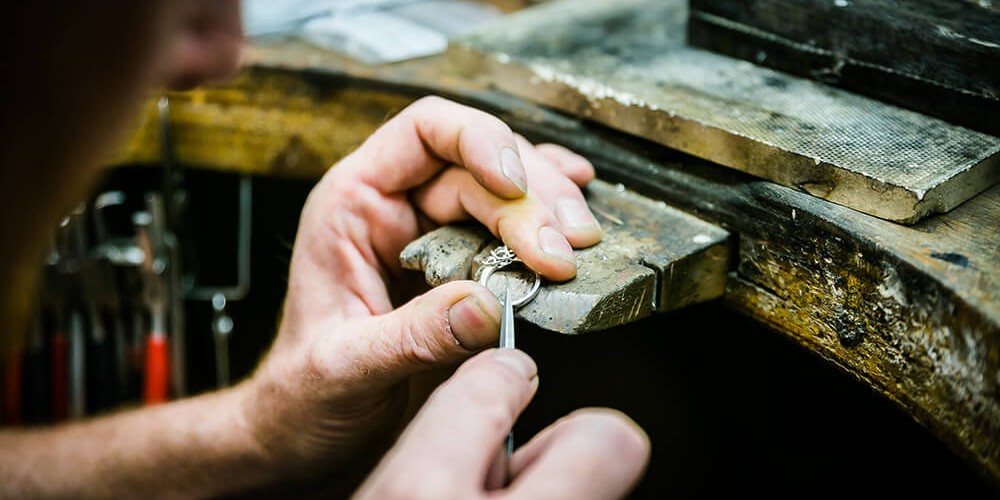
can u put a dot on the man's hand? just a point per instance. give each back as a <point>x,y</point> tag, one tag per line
<point>448,450</point>
<point>334,383</point>
<point>334,386</point>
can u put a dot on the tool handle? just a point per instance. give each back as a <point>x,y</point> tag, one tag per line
<point>60,378</point>
<point>36,408</point>
<point>157,363</point>
<point>76,347</point>
<point>102,386</point>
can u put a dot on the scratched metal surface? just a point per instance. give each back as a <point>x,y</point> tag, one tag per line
<point>652,259</point>
<point>625,64</point>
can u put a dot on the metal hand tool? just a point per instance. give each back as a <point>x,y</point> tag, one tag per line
<point>222,326</point>
<point>77,340</point>
<point>109,259</point>
<point>156,381</point>
<point>507,342</point>
<point>165,208</point>
<point>221,296</point>
<point>500,258</point>
<point>175,200</point>
<point>59,356</point>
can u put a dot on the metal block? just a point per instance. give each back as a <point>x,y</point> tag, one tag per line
<point>653,258</point>
<point>626,65</point>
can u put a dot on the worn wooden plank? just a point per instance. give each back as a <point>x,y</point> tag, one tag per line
<point>940,57</point>
<point>625,64</point>
<point>266,122</point>
<point>913,312</point>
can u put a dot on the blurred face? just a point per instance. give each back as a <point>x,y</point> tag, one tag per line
<point>206,44</point>
<point>80,70</point>
<point>77,73</point>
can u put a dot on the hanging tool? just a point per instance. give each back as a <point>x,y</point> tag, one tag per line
<point>110,258</point>
<point>126,259</point>
<point>166,210</point>
<point>156,368</point>
<point>133,283</point>
<point>55,298</point>
<point>222,326</point>
<point>77,341</point>
<point>39,363</point>
<point>35,403</point>
<point>94,385</point>
<point>220,297</point>
<point>101,382</point>
<point>59,340</point>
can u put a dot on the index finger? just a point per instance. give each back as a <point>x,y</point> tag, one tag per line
<point>413,146</point>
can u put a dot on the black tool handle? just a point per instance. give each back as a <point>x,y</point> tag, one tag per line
<point>102,376</point>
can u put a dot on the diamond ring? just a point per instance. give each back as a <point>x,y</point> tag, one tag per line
<point>500,258</point>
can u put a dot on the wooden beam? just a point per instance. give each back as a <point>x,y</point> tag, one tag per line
<point>266,122</point>
<point>625,64</point>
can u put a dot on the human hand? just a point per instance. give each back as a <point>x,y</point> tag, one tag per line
<point>448,451</point>
<point>334,382</point>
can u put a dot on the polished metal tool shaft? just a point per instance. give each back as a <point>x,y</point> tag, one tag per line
<point>507,342</point>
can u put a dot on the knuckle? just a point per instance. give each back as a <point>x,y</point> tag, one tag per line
<point>494,388</point>
<point>425,341</point>
<point>428,101</point>
<point>493,411</point>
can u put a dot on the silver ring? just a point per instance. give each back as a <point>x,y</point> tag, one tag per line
<point>500,258</point>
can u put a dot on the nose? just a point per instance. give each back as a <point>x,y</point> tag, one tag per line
<point>209,45</point>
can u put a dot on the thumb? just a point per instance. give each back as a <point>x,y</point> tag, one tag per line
<point>447,450</point>
<point>441,327</point>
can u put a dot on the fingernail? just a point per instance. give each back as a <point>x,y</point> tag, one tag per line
<point>474,324</point>
<point>554,243</point>
<point>513,169</point>
<point>572,213</point>
<point>517,360</point>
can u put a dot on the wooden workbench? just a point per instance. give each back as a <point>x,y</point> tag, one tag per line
<point>911,311</point>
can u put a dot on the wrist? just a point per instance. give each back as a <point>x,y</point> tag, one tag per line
<point>227,444</point>
<point>273,425</point>
<point>250,420</point>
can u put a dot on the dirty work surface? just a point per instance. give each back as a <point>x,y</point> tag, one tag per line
<point>625,64</point>
<point>653,258</point>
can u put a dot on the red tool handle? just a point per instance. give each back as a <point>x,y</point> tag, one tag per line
<point>60,378</point>
<point>157,363</point>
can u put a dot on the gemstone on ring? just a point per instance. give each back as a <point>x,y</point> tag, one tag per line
<point>499,258</point>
